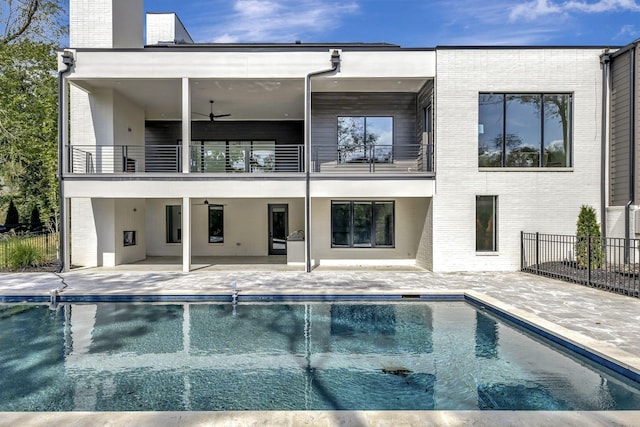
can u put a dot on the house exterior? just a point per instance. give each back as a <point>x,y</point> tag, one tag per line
<point>368,154</point>
<point>621,118</point>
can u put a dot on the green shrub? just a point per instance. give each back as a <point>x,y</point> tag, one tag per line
<point>22,254</point>
<point>588,229</point>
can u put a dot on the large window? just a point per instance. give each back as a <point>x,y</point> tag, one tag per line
<point>524,130</point>
<point>486,223</point>
<point>174,223</point>
<point>234,156</point>
<point>360,224</point>
<point>216,224</point>
<point>365,139</point>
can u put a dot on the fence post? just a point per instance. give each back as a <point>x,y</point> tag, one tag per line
<point>589,259</point>
<point>521,250</point>
<point>537,252</point>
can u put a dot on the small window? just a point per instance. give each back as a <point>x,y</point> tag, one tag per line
<point>174,224</point>
<point>216,224</point>
<point>362,224</point>
<point>486,224</point>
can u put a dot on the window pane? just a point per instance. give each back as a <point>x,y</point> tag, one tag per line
<point>557,119</point>
<point>340,223</point>
<point>362,223</point>
<point>490,130</point>
<point>239,151</point>
<point>263,156</point>
<point>486,223</point>
<point>523,130</point>
<point>379,132</point>
<point>350,139</point>
<point>216,224</point>
<point>214,156</point>
<point>384,223</point>
<point>174,224</point>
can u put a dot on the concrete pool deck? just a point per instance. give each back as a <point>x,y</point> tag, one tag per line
<point>603,321</point>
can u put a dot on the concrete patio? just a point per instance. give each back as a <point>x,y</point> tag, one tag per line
<point>607,323</point>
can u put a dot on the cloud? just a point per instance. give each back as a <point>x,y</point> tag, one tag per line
<point>627,31</point>
<point>535,9</point>
<point>277,20</point>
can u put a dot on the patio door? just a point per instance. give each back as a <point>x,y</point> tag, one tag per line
<point>278,229</point>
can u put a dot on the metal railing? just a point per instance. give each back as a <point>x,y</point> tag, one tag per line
<point>414,158</point>
<point>12,248</point>
<point>610,263</point>
<point>107,159</point>
<point>249,157</point>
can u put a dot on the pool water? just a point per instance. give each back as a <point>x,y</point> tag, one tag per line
<point>298,356</point>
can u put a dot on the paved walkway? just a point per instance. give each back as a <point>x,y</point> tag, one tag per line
<point>608,319</point>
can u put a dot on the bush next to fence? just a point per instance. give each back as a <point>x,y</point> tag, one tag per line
<point>589,239</point>
<point>27,251</point>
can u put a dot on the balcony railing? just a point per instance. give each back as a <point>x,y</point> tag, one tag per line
<point>248,157</point>
<point>108,159</point>
<point>414,158</point>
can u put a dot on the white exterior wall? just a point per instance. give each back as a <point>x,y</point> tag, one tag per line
<point>105,23</point>
<point>245,226</point>
<point>84,239</point>
<point>129,216</point>
<point>166,28</point>
<point>410,216</point>
<point>528,200</point>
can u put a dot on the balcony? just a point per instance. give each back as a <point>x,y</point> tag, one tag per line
<point>251,158</point>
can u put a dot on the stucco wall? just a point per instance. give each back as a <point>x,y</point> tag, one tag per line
<point>410,215</point>
<point>529,200</point>
<point>245,226</point>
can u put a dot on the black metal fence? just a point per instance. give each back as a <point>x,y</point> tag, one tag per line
<point>45,245</point>
<point>608,263</point>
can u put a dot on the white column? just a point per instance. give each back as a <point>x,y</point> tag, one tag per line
<point>186,123</point>
<point>186,234</point>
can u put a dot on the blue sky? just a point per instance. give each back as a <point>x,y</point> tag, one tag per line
<point>410,23</point>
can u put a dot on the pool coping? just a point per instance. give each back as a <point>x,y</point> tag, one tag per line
<point>602,353</point>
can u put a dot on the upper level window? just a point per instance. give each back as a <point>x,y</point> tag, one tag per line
<point>365,139</point>
<point>524,130</point>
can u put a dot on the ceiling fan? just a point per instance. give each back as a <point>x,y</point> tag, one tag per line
<point>212,116</point>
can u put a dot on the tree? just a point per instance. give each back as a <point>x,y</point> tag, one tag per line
<point>28,124</point>
<point>35,224</point>
<point>37,20</point>
<point>12,217</point>
<point>589,240</point>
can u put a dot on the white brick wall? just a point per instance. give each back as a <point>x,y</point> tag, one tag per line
<point>543,201</point>
<point>105,23</point>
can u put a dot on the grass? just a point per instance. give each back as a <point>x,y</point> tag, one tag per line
<point>20,252</point>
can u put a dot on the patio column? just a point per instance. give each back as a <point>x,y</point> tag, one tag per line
<point>186,124</point>
<point>186,234</point>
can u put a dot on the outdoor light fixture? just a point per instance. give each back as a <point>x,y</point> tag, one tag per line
<point>206,202</point>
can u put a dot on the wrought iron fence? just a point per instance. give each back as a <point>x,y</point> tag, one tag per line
<point>608,263</point>
<point>13,247</point>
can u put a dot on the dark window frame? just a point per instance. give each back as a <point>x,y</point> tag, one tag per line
<point>369,156</point>
<point>372,244</point>
<point>480,230</point>
<point>221,233</point>
<point>169,225</point>
<point>541,149</point>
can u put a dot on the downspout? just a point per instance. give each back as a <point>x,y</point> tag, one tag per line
<point>632,155</point>
<point>68,61</point>
<point>605,60</point>
<point>335,65</point>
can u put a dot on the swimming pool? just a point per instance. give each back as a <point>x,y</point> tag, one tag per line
<point>417,355</point>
